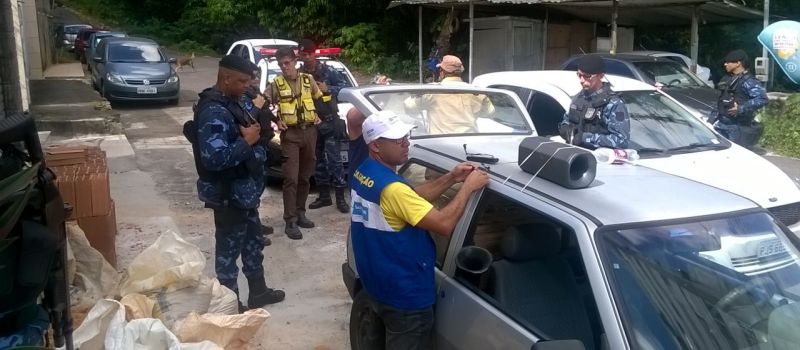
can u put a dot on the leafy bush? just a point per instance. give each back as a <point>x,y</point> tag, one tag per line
<point>781,121</point>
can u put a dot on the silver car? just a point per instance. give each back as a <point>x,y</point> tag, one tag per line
<point>134,69</point>
<point>626,260</point>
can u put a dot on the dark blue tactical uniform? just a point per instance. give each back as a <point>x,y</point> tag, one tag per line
<point>329,170</point>
<point>748,94</point>
<point>597,119</point>
<point>234,197</point>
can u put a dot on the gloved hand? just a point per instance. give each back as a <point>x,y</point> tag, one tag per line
<point>577,139</point>
<point>566,131</point>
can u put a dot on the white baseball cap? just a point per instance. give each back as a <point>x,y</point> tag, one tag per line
<point>384,124</point>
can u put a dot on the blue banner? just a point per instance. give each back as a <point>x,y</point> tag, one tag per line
<point>782,40</point>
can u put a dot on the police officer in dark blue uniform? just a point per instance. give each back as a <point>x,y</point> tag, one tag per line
<point>329,170</point>
<point>597,116</point>
<point>230,163</point>
<point>741,96</point>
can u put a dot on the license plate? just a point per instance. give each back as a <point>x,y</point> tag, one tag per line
<point>770,247</point>
<point>343,155</point>
<point>146,90</point>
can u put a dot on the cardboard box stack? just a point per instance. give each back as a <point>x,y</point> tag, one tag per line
<point>82,178</point>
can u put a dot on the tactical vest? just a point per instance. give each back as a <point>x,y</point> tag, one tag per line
<point>294,108</point>
<point>590,111</point>
<point>190,129</point>
<point>731,92</point>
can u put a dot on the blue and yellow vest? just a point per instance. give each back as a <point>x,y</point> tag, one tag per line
<point>395,267</point>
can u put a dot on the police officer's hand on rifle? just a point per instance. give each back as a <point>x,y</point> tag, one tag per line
<point>251,134</point>
<point>317,120</point>
<point>734,110</point>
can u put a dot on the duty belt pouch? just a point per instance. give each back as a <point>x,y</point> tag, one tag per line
<point>327,127</point>
<point>340,129</point>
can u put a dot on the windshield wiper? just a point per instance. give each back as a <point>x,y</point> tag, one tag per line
<point>697,145</point>
<point>651,150</point>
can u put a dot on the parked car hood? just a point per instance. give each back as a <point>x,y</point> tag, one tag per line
<point>734,169</point>
<point>141,70</point>
<point>702,99</point>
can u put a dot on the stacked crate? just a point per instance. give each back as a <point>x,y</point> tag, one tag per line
<point>82,178</point>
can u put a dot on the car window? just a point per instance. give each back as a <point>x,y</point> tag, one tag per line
<point>733,278</point>
<point>445,112</point>
<point>659,123</point>
<point>669,74</point>
<point>535,272</point>
<point>134,52</point>
<point>615,67</point>
<point>417,174</point>
<point>74,29</point>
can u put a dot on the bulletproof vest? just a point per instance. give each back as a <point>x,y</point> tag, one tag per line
<point>327,106</point>
<point>730,92</point>
<point>209,97</point>
<point>588,111</point>
<point>295,108</point>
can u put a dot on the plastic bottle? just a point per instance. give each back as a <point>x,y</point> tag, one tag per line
<point>615,156</point>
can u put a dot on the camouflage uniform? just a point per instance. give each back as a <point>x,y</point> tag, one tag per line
<point>597,119</point>
<point>329,170</point>
<point>750,96</point>
<point>238,228</point>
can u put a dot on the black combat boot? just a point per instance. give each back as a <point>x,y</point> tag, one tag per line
<point>260,295</point>
<point>266,230</point>
<point>291,230</point>
<point>323,200</point>
<point>303,221</point>
<point>233,285</point>
<point>341,203</point>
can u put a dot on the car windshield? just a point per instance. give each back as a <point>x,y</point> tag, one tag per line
<point>669,74</point>
<point>725,283</point>
<point>134,52</point>
<point>454,112</point>
<point>659,125</point>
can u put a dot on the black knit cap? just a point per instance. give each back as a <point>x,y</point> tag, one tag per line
<point>736,56</point>
<point>307,45</point>
<point>238,64</point>
<point>591,64</point>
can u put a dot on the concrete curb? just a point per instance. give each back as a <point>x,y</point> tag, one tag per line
<point>70,121</point>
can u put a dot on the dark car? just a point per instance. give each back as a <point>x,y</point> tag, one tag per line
<point>94,40</point>
<point>65,35</point>
<point>82,41</point>
<point>675,79</point>
<point>133,68</point>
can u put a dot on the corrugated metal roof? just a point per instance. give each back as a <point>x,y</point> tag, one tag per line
<point>631,12</point>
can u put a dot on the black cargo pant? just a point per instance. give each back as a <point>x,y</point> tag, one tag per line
<point>298,144</point>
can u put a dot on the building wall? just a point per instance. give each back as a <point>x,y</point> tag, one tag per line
<point>30,36</point>
<point>15,95</point>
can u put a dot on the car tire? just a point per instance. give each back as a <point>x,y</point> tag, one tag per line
<point>366,329</point>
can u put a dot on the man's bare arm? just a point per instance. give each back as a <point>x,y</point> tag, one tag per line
<point>433,189</point>
<point>355,121</point>
<point>443,221</point>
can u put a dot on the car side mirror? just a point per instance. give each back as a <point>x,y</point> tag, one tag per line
<point>173,60</point>
<point>568,344</point>
<point>97,59</point>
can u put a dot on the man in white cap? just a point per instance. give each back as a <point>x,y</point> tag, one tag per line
<point>395,256</point>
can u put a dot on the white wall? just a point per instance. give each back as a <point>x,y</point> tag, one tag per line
<point>17,14</point>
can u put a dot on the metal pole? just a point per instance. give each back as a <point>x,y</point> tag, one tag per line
<point>544,39</point>
<point>419,38</point>
<point>471,36</point>
<point>614,13</point>
<point>695,38</point>
<point>766,24</point>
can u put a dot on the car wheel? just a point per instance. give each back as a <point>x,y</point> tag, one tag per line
<point>366,328</point>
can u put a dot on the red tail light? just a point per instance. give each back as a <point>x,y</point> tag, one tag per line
<point>267,51</point>
<point>328,51</point>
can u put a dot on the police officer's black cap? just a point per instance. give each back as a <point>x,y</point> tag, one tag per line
<point>736,56</point>
<point>307,45</point>
<point>238,64</point>
<point>591,64</point>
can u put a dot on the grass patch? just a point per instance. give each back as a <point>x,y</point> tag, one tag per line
<point>781,120</point>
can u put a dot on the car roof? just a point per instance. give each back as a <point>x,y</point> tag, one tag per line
<point>619,194</point>
<point>564,80</point>
<point>265,42</point>
<point>627,57</point>
<point>129,39</point>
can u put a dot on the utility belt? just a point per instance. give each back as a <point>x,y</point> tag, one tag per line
<point>301,126</point>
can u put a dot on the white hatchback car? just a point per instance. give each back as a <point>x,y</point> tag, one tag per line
<point>671,139</point>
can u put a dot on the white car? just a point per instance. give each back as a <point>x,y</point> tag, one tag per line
<point>703,72</point>
<point>669,138</point>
